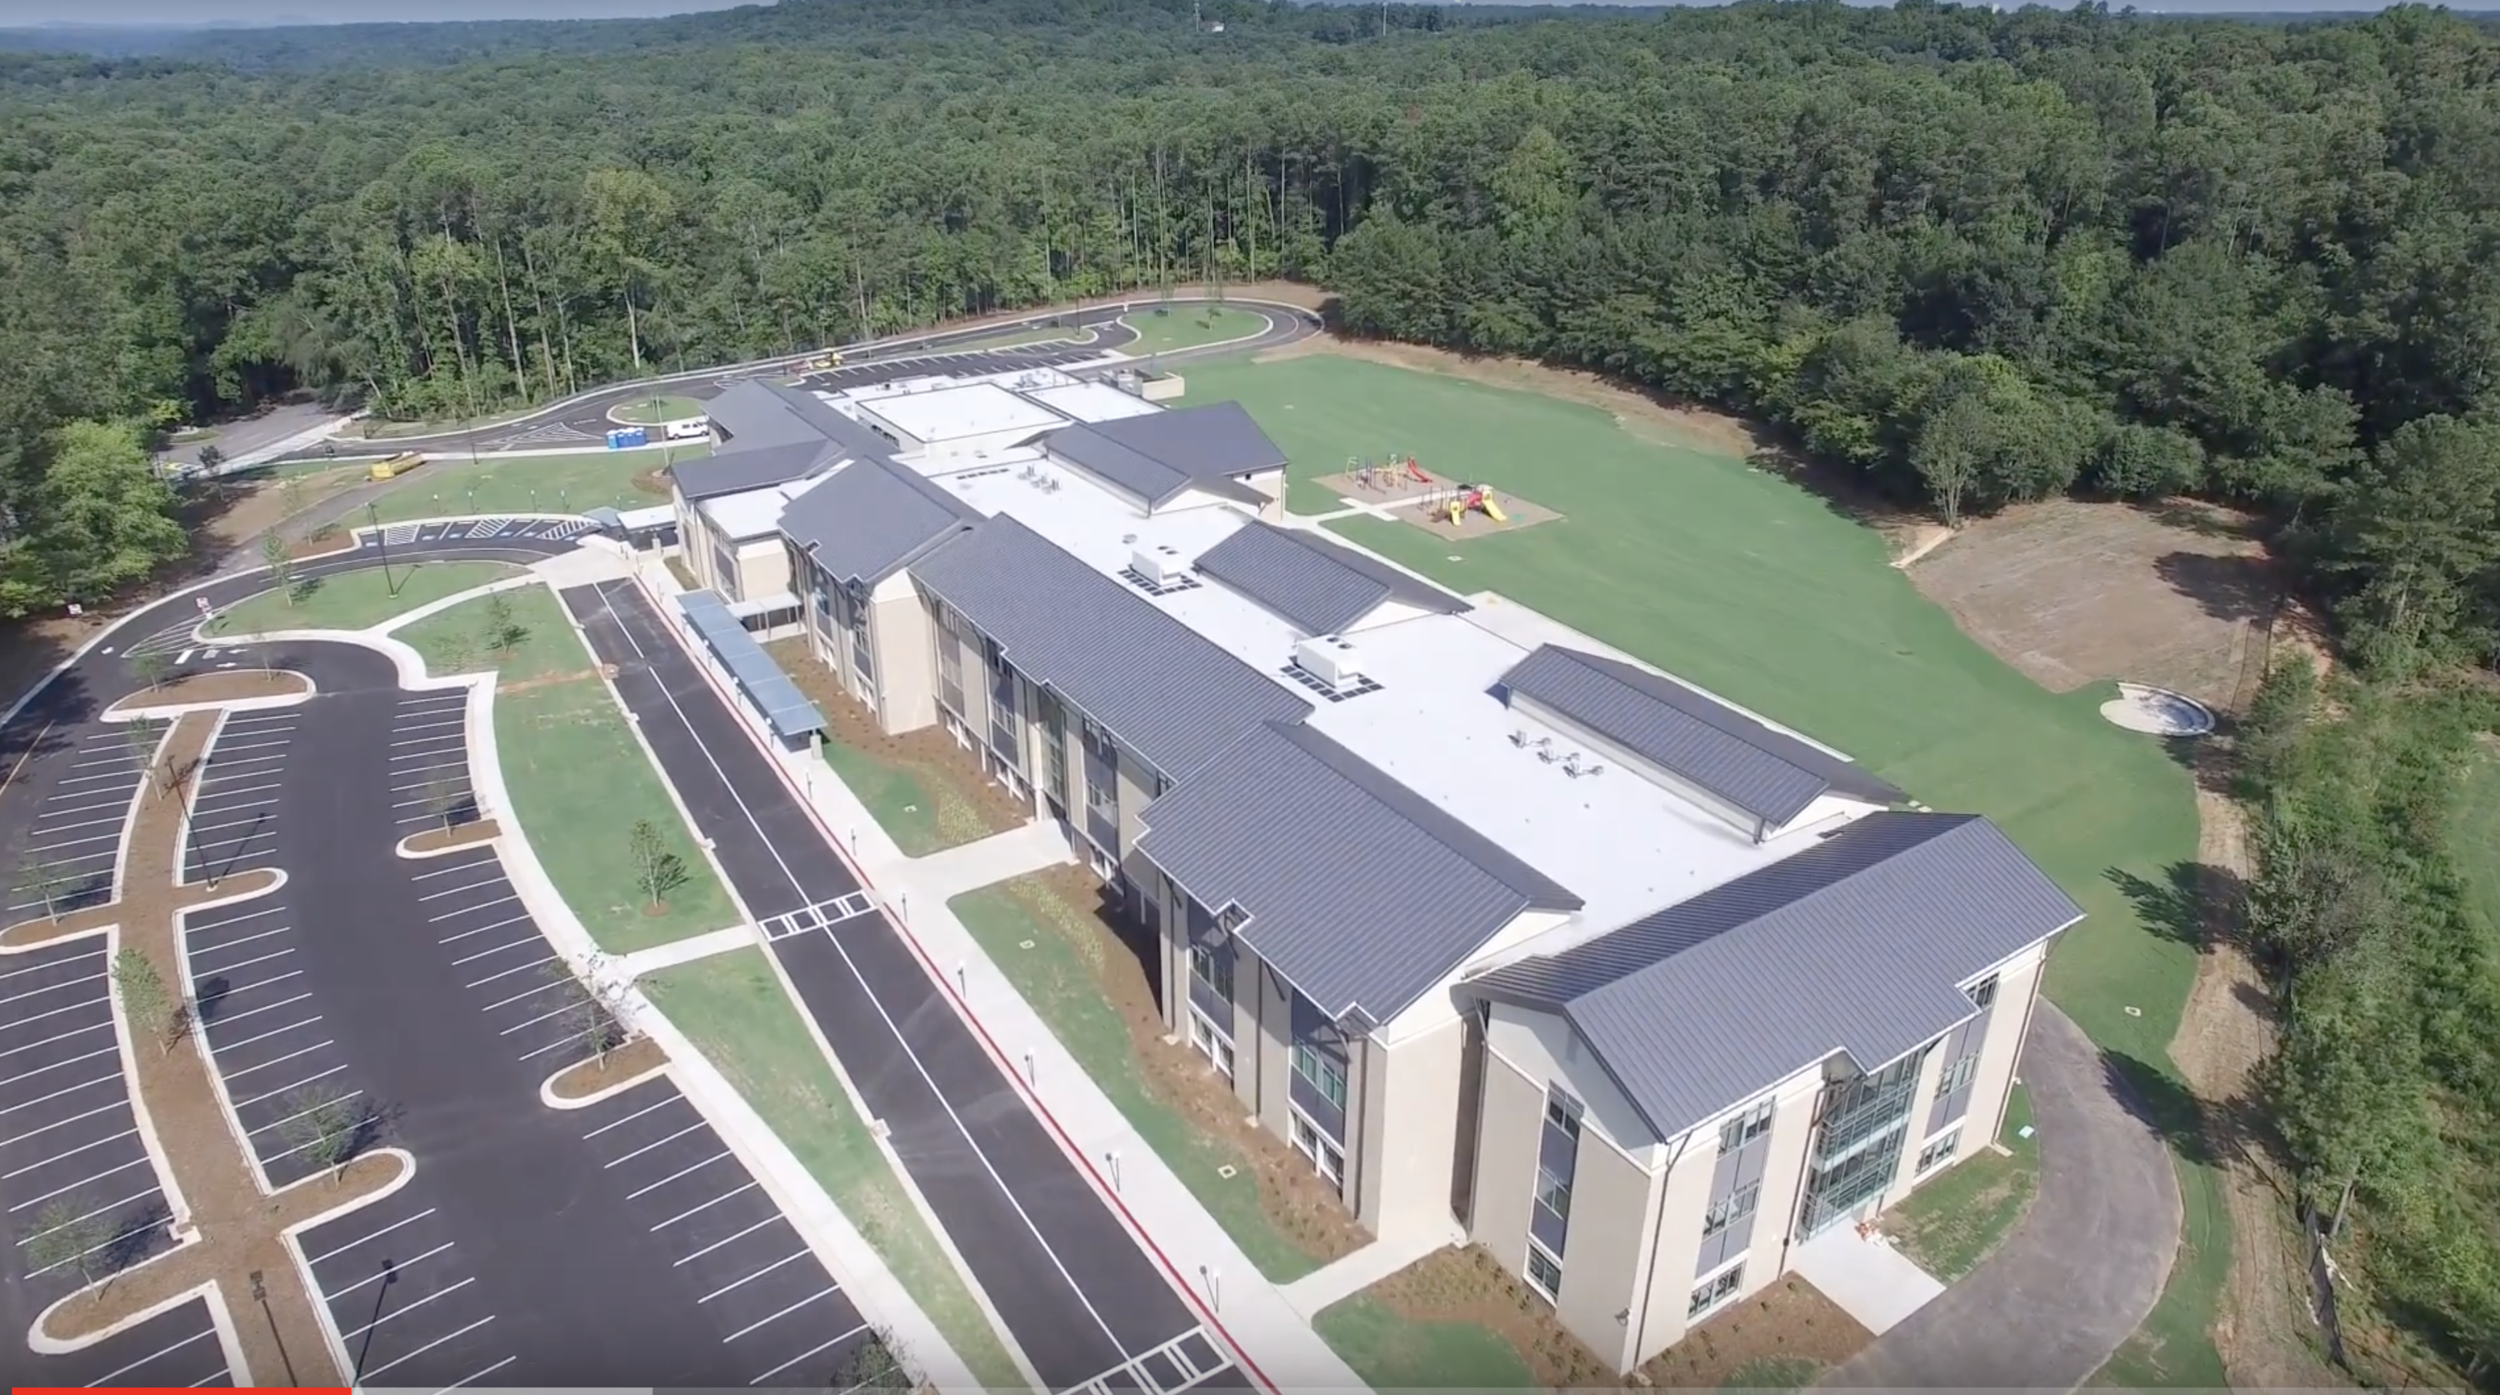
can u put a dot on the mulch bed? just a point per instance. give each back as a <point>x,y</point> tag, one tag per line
<point>27,934</point>
<point>229,685</point>
<point>969,806</point>
<point>582,1079</point>
<point>459,835</point>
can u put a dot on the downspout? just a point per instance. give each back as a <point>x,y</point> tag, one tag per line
<point>1657,1227</point>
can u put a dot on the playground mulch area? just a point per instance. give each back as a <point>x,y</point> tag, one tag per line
<point>1427,505</point>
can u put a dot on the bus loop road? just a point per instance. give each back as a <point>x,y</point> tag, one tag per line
<point>618,1245</point>
<point>1076,1290</point>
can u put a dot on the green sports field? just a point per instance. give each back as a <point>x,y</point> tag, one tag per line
<point>1189,326</point>
<point>449,486</point>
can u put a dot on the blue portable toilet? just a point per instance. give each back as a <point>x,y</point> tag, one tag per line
<point>627,437</point>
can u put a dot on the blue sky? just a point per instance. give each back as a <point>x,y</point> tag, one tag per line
<point>22,12</point>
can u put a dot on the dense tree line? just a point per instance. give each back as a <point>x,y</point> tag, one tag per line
<point>2386,1083</point>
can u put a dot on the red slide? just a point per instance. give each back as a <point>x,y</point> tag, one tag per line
<point>1417,471</point>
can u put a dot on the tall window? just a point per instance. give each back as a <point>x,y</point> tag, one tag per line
<point>1729,1209</point>
<point>1212,969</point>
<point>1983,994</point>
<point>1553,1193</point>
<point>1563,1112</point>
<point>1958,1075</point>
<point>951,672</point>
<point>1325,1075</point>
<point>1745,1127</point>
<point>1717,1291</point>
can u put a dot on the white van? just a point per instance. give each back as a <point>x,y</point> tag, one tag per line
<point>691,429</point>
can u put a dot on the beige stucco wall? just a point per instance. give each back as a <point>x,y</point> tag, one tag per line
<point>763,567</point>
<point>2000,1059</point>
<point>903,640</point>
<point>1410,1130</point>
<point>1508,1120</point>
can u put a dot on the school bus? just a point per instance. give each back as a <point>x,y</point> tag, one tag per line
<point>396,466</point>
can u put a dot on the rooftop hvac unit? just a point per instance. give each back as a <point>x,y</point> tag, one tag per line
<point>1161,566</point>
<point>1329,658</point>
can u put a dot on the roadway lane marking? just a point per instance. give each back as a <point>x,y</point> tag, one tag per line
<point>470,910</point>
<point>106,1380</point>
<point>767,1322</point>
<point>364,1382</point>
<point>760,1273</point>
<point>234,1075</point>
<point>140,1161</point>
<point>69,1153</point>
<point>65,1090</point>
<point>298,1085</point>
<point>507,973</point>
<point>410,1220</point>
<point>223,1019</point>
<point>741,1235</point>
<point>662,1143</point>
<point>498,925</point>
<point>473,1375</point>
<point>198,954</point>
<point>681,1172</point>
<point>405,1308</point>
<point>749,1186</point>
<point>603,1128</point>
<point>264,1036</point>
<point>401,1267</point>
<point>812,1351</point>
<point>56,1065</point>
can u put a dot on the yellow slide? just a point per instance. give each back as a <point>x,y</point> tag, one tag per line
<point>1494,510</point>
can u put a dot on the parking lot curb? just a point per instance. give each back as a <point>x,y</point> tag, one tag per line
<point>547,1088</point>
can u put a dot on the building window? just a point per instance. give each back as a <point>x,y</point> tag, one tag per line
<point>1729,1209</point>
<point>1326,1158</point>
<point>1212,969</point>
<point>1545,1272</point>
<point>1958,1075</point>
<point>1211,1043</point>
<point>1745,1127</point>
<point>1325,1075</point>
<point>1938,1153</point>
<point>1984,993</point>
<point>1562,1112</point>
<point>1715,1292</point>
<point>1553,1193</point>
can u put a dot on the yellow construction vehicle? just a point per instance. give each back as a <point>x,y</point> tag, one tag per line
<point>396,466</point>
<point>824,363</point>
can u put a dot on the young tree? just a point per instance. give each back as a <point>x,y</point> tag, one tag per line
<point>151,668</point>
<point>657,867</point>
<point>875,1362</point>
<point>273,554</point>
<point>327,1126</point>
<point>211,458</point>
<point>46,881</point>
<point>70,1232</point>
<point>154,1010</point>
<point>503,633</point>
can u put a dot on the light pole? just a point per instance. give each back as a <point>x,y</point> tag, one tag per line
<point>373,514</point>
<point>260,1295</point>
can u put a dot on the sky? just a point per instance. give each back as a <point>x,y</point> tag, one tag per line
<point>30,12</point>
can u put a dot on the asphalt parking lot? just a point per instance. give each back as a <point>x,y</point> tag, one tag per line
<point>430,760</point>
<point>269,1041</point>
<point>965,364</point>
<point>404,1296</point>
<point>77,832</point>
<point>782,1319</point>
<point>236,806</point>
<point>535,1006</point>
<point>70,1153</point>
<point>486,530</point>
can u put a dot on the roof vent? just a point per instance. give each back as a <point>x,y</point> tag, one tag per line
<point>1128,540</point>
<point>1545,749</point>
<point>1519,736</point>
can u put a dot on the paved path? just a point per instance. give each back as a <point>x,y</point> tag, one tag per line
<point>2084,1267</point>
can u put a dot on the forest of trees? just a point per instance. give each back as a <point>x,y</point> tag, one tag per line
<point>1975,257</point>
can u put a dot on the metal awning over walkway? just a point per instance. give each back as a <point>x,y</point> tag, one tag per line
<point>759,678</point>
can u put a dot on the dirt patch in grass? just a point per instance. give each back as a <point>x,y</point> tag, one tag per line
<point>327,542</point>
<point>955,803</point>
<point>556,680</point>
<point>1291,1195</point>
<point>582,1079</point>
<point>2070,592</point>
<point>1427,505</point>
<point>232,685</point>
<point>653,482</point>
<point>239,1227</point>
<point>459,835</point>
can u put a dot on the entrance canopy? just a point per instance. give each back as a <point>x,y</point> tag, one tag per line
<point>792,716</point>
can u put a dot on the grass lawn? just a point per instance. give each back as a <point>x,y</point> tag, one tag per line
<point>355,600</point>
<point>1955,1221</point>
<point>448,487</point>
<point>577,778</point>
<point>896,799</point>
<point>1391,1353</point>
<point>735,1011</point>
<point>1753,587</point>
<point>1188,327</point>
<point>650,411</point>
<point>1062,977</point>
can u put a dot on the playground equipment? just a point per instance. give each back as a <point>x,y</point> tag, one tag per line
<point>1415,472</point>
<point>1466,499</point>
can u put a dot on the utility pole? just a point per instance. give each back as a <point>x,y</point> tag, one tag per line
<point>373,514</point>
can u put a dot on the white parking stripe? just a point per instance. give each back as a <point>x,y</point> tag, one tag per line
<point>49,988</point>
<point>681,1172</point>
<point>749,1186</point>
<point>465,886</point>
<point>107,1379</point>
<point>405,1308</point>
<point>741,1235</point>
<point>247,1070</point>
<point>485,953</point>
<point>234,988</point>
<point>366,1381</point>
<point>812,1351</point>
<point>43,829</point>
<point>113,1050</point>
<point>410,1220</point>
<point>755,1326</point>
<point>232,1046</point>
<point>223,921</point>
<point>469,866</point>
<point>400,1267</point>
<point>96,953</point>
<point>473,1375</point>
<point>523,968</point>
<point>568,1039</point>
<point>498,925</point>
<point>78,842</point>
<point>224,790</point>
<point>32,1236</point>
<point>662,1143</point>
<point>465,910</point>
<point>140,1161</point>
<point>69,1153</point>
<point>258,959</point>
<point>64,1123</point>
<point>646,1109</point>
<point>57,1094</point>
<point>223,1019</point>
<point>760,1273</point>
<point>198,953</point>
<point>298,1114</point>
<point>551,1012</point>
<point>298,1085</point>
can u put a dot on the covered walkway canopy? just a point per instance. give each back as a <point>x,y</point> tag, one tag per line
<point>792,716</point>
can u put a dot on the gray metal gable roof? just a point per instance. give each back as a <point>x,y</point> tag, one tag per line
<point>754,415</point>
<point>1216,441</point>
<point>853,436</point>
<point>1361,893</point>
<point>1857,944</point>
<point>1172,695</point>
<point>736,471</point>
<point>1147,478</point>
<point>1318,585</point>
<point>1768,774</point>
<point>870,518</point>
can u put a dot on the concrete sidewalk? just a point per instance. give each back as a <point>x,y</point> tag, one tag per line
<point>1264,1324</point>
<point>1365,1267</point>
